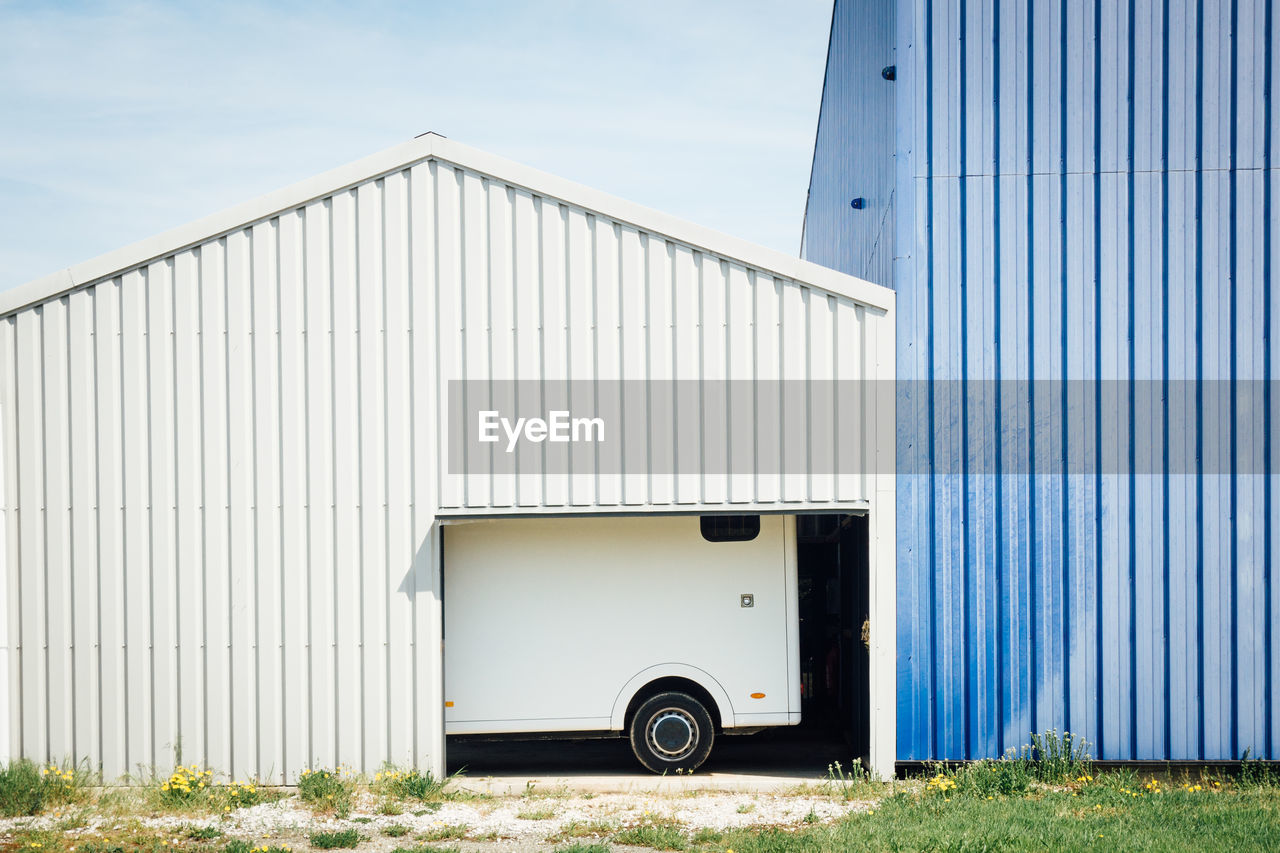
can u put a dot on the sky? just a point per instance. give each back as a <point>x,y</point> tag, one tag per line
<point>121,120</point>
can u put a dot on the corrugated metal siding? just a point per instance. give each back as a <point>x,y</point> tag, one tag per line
<point>222,468</point>
<point>215,532</point>
<point>854,149</point>
<point>1084,191</point>
<point>550,290</point>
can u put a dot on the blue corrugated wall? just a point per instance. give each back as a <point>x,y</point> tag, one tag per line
<point>854,149</point>
<point>1083,191</point>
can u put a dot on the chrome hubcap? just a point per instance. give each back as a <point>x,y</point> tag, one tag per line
<point>672,733</point>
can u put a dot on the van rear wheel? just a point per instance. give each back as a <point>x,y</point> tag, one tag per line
<point>670,732</point>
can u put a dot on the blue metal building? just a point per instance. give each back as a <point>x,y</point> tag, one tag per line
<point>1079,193</point>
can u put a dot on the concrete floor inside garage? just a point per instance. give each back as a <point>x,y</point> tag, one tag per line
<point>773,760</point>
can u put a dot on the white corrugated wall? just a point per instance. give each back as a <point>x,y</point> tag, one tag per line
<point>222,468</point>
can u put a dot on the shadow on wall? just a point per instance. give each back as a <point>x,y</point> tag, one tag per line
<point>418,578</point>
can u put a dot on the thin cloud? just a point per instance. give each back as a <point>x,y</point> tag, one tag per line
<point>123,121</point>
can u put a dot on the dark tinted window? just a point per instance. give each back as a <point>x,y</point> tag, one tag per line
<point>730,528</point>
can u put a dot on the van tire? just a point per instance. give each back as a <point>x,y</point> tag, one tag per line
<point>671,732</point>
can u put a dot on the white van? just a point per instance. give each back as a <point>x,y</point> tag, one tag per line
<point>663,629</point>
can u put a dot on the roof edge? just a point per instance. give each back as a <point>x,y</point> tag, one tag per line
<point>208,227</point>
<point>648,219</point>
<point>422,148</point>
<point>817,133</point>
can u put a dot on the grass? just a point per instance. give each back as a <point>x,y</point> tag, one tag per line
<point>237,845</point>
<point>328,790</point>
<point>1048,795</point>
<point>660,833</point>
<point>533,792</point>
<point>21,790</point>
<point>185,788</point>
<point>29,789</point>
<point>707,835</point>
<point>854,784</point>
<point>583,829</point>
<point>411,784</point>
<point>242,795</point>
<point>536,814</point>
<point>1093,817</point>
<point>128,837</point>
<point>451,832</point>
<point>333,840</point>
<point>389,807</point>
<point>73,820</point>
<point>190,789</point>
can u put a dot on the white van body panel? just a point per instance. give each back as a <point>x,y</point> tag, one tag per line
<point>554,624</point>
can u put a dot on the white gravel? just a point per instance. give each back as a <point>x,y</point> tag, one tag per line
<point>496,821</point>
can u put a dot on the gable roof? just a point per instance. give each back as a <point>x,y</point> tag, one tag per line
<point>432,146</point>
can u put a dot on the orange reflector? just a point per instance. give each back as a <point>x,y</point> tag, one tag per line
<point>757,695</point>
<point>448,704</point>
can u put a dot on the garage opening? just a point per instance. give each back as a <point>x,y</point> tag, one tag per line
<point>534,589</point>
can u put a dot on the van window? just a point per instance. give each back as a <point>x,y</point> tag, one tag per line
<point>730,528</point>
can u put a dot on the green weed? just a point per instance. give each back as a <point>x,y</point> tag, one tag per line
<point>536,814</point>
<point>334,840</point>
<point>411,784</point>
<point>583,829</point>
<point>328,790</point>
<point>1055,758</point>
<point>657,832</point>
<point>27,789</point>
<point>444,833</point>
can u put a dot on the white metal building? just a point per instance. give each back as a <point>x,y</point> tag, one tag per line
<point>223,462</point>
